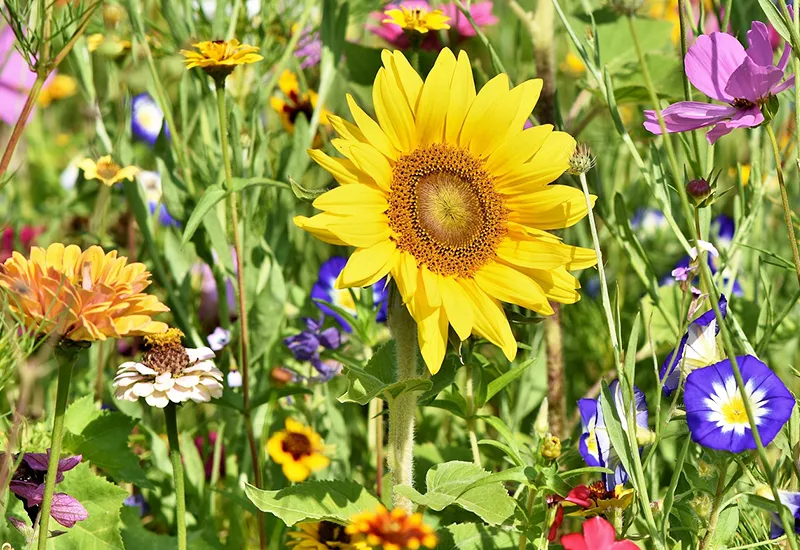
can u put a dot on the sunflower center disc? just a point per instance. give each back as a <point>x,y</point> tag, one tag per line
<point>444,210</point>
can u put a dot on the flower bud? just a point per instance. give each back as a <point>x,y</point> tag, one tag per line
<point>644,436</point>
<point>581,160</point>
<point>765,491</point>
<point>112,15</point>
<point>702,505</point>
<point>699,190</point>
<point>234,379</point>
<point>281,376</point>
<point>541,426</point>
<point>551,447</point>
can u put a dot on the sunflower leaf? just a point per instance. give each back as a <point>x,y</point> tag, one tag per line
<point>330,500</point>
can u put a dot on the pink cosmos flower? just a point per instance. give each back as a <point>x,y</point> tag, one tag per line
<point>598,534</point>
<point>394,35</point>
<point>16,78</point>
<point>720,67</point>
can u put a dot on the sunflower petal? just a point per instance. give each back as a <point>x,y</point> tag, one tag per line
<point>432,107</point>
<point>509,285</point>
<point>366,266</point>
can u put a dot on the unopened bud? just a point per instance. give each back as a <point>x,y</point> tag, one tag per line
<point>542,426</point>
<point>705,469</point>
<point>765,491</point>
<point>581,160</point>
<point>551,447</point>
<point>699,190</point>
<point>281,376</point>
<point>112,15</point>
<point>702,505</point>
<point>644,436</point>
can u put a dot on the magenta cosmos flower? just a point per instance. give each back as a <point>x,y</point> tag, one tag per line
<point>481,12</point>
<point>720,67</point>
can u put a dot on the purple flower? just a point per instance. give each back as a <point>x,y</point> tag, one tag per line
<point>720,67</point>
<point>723,229</point>
<point>325,289</point>
<point>205,447</point>
<point>791,500</point>
<point>27,484</point>
<point>326,369</point>
<point>309,49</point>
<point>137,500</point>
<point>715,411</point>
<point>305,346</point>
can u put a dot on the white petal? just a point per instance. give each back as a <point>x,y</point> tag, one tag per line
<point>144,369</point>
<point>143,389</point>
<point>200,354</point>
<point>157,399</point>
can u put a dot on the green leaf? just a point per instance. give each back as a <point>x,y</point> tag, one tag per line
<point>331,500</point>
<point>305,194</point>
<point>80,413</point>
<point>726,527</point>
<point>615,432</point>
<point>472,536</point>
<point>379,378</point>
<point>103,502</point>
<point>505,433</point>
<point>449,483</point>
<point>775,17</point>
<point>136,537</point>
<point>442,379</point>
<point>213,194</point>
<point>506,378</point>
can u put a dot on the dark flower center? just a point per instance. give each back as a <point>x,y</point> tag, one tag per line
<point>298,106</point>
<point>27,474</point>
<point>332,532</point>
<point>742,103</point>
<point>297,445</point>
<point>598,491</point>
<point>170,358</point>
<point>107,170</point>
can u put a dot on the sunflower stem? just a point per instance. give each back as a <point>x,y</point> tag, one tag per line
<point>403,407</point>
<point>787,210</point>
<point>469,395</point>
<point>66,354</point>
<point>177,472</point>
<point>243,332</point>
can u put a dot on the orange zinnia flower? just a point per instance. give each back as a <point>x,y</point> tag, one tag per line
<point>81,295</point>
<point>395,530</point>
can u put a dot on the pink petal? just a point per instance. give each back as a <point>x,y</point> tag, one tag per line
<point>753,82</point>
<point>624,545</point>
<point>599,533</point>
<point>781,87</point>
<point>32,492</point>
<point>66,510</point>
<point>575,541</point>
<point>745,118</point>
<point>688,115</point>
<point>37,461</point>
<point>760,50</point>
<point>710,62</point>
<point>66,464</point>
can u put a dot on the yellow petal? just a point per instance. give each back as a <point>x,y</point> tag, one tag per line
<point>532,253</point>
<point>552,207</point>
<point>490,319</point>
<point>532,89</point>
<point>295,471</point>
<point>462,94</point>
<point>457,306</point>
<point>360,231</point>
<point>347,130</point>
<point>546,166</point>
<point>343,170</point>
<point>366,266</point>
<point>316,226</point>
<point>509,285</point>
<point>372,162</point>
<point>430,286</point>
<point>432,107</point>
<point>371,130</point>
<point>288,83</point>
<point>498,122</point>
<point>403,76</point>
<point>393,113</point>
<point>581,258</point>
<point>432,335</point>
<point>485,98</point>
<point>517,150</point>
<point>352,200</point>
<point>405,275</point>
<point>559,285</point>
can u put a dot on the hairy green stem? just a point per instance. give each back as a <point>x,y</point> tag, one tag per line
<point>787,210</point>
<point>66,354</point>
<point>469,396</point>
<point>403,407</point>
<point>243,329</point>
<point>715,509</point>
<point>177,472</point>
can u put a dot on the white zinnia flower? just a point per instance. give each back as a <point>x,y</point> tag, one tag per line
<point>168,373</point>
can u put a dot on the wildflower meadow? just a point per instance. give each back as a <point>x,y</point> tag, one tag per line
<point>427,274</point>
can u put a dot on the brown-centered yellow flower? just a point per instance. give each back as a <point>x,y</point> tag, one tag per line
<point>395,530</point>
<point>322,535</point>
<point>295,102</point>
<point>81,295</point>
<point>299,451</point>
<point>106,170</point>
<point>417,20</point>
<point>445,192</point>
<point>219,58</point>
<point>601,500</point>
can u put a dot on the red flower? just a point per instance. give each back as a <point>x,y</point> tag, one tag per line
<point>578,496</point>
<point>598,534</point>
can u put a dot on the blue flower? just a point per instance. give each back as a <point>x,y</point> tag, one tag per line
<point>325,289</point>
<point>137,501</point>
<point>722,230</point>
<point>648,221</point>
<point>595,445</point>
<point>715,411</point>
<point>697,348</point>
<point>305,346</point>
<point>791,500</point>
<point>147,119</point>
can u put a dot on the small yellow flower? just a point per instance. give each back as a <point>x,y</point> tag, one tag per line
<point>395,530</point>
<point>218,58</point>
<point>61,87</point>
<point>573,65</point>
<point>417,19</point>
<point>106,170</point>
<point>322,535</point>
<point>111,45</point>
<point>298,449</point>
<point>295,103</point>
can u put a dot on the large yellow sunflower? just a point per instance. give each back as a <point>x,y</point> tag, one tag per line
<point>449,195</point>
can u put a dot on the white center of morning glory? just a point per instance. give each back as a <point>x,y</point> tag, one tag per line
<point>149,117</point>
<point>727,407</point>
<point>701,346</point>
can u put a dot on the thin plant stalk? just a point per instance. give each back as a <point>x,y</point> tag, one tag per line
<point>402,408</point>
<point>726,16</point>
<point>787,210</point>
<point>687,89</point>
<point>177,472</point>
<point>469,396</point>
<point>715,509</point>
<point>66,354</point>
<point>705,274</point>
<point>523,540</point>
<point>243,334</point>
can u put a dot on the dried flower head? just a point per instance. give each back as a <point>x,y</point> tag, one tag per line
<point>81,295</point>
<point>298,449</point>
<point>106,170</point>
<point>169,372</point>
<point>395,530</point>
<point>218,58</point>
<point>581,160</point>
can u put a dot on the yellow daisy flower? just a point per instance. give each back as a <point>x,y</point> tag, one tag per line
<point>218,58</point>
<point>60,87</point>
<point>602,500</point>
<point>322,535</point>
<point>448,195</point>
<point>417,19</point>
<point>295,103</point>
<point>106,170</point>
<point>395,530</point>
<point>298,449</point>
<point>81,295</point>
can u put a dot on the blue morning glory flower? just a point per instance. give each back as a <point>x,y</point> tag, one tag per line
<point>648,221</point>
<point>791,500</point>
<point>715,411</point>
<point>147,119</point>
<point>595,444</point>
<point>698,348</point>
<point>325,289</point>
<point>218,339</point>
<point>722,230</point>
